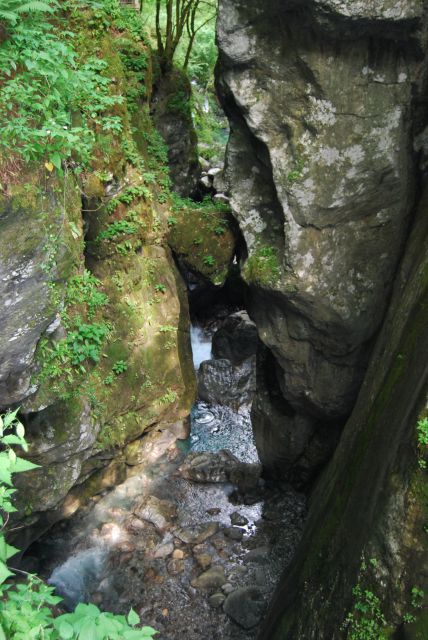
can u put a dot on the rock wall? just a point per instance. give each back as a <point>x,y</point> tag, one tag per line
<point>92,274</point>
<point>367,522</point>
<point>325,101</point>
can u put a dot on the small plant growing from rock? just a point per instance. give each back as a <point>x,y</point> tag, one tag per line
<point>208,261</point>
<point>422,433</point>
<point>119,367</point>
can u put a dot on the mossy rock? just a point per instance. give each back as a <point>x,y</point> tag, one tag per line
<point>203,239</point>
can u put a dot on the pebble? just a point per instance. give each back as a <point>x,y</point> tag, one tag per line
<point>204,560</point>
<point>235,533</point>
<point>197,534</point>
<point>216,600</point>
<point>211,579</point>
<point>238,520</point>
<point>258,555</point>
<point>245,606</point>
<point>178,554</point>
<point>228,588</point>
<point>163,550</point>
<point>175,566</point>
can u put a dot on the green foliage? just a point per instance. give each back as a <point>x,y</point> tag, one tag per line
<point>83,289</point>
<point>38,65</point>
<point>208,261</point>
<point>297,172</point>
<point>169,397</point>
<point>116,229</point>
<point>86,341</point>
<point>11,11</point>
<point>417,597</point>
<point>365,621</point>
<point>87,621</point>
<point>263,266</point>
<point>160,288</point>
<point>26,607</point>
<point>128,196</point>
<point>422,434</point>
<point>119,367</point>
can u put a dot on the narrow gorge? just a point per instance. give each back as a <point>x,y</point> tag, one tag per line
<point>214,319</point>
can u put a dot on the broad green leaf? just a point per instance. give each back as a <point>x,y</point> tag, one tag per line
<point>20,431</point>
<point>24,465</point>
<point>133,618</point>
<point>9,418</point>
<point>65,630</point>
<point>88,630</point>
<point>56,160</point>
<point>4,572</point>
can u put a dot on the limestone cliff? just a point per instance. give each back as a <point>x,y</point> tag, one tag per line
<point>325,101</point>
<point>326,161</point>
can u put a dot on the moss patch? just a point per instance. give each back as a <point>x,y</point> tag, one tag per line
<point>202,237</point>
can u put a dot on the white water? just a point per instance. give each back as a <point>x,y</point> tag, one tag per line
<point>74,579</point>
<point>201,345</point>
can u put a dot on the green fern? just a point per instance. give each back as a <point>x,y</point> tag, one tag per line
<point>12,10</point>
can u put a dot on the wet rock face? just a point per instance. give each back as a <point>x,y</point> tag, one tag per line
<point>29,261</point>
<point>321,173</point>
<point>229,378</point>
<point>220,382</point>
<point>237,339</point>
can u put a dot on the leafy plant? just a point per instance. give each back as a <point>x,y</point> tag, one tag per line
<point>26,607</point>
<point>86,341</point>
<point>84,289</point>
<point>422,434</point>
<point>160,288</point>
<point>12,10</point>
<point>119,367</point>
<point>208,261</point>
<point>37,67</point>
<point>263,266</point>
<point>417,597</point>
<point>116,229</point>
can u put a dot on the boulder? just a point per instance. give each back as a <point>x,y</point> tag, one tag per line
<point>237,338</point>
<point>220,382</point>
<point>245,606</point>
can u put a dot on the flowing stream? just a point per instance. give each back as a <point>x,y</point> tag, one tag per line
<point>146,542</point>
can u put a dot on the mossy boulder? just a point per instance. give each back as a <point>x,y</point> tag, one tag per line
<point>202,238</point>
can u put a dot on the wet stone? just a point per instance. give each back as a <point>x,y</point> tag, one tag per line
<point>216,600</point>
<point>245,606</point>
<point>198,533</point>
<point>238,520</point>
<point>234,533</point>
<point>175,566</point>
<point>257,556</point>
<point>163,550</point>
<point>211,579</point>
<point>204,560</point>
<point>159,512</point>
<point>228,588</point>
